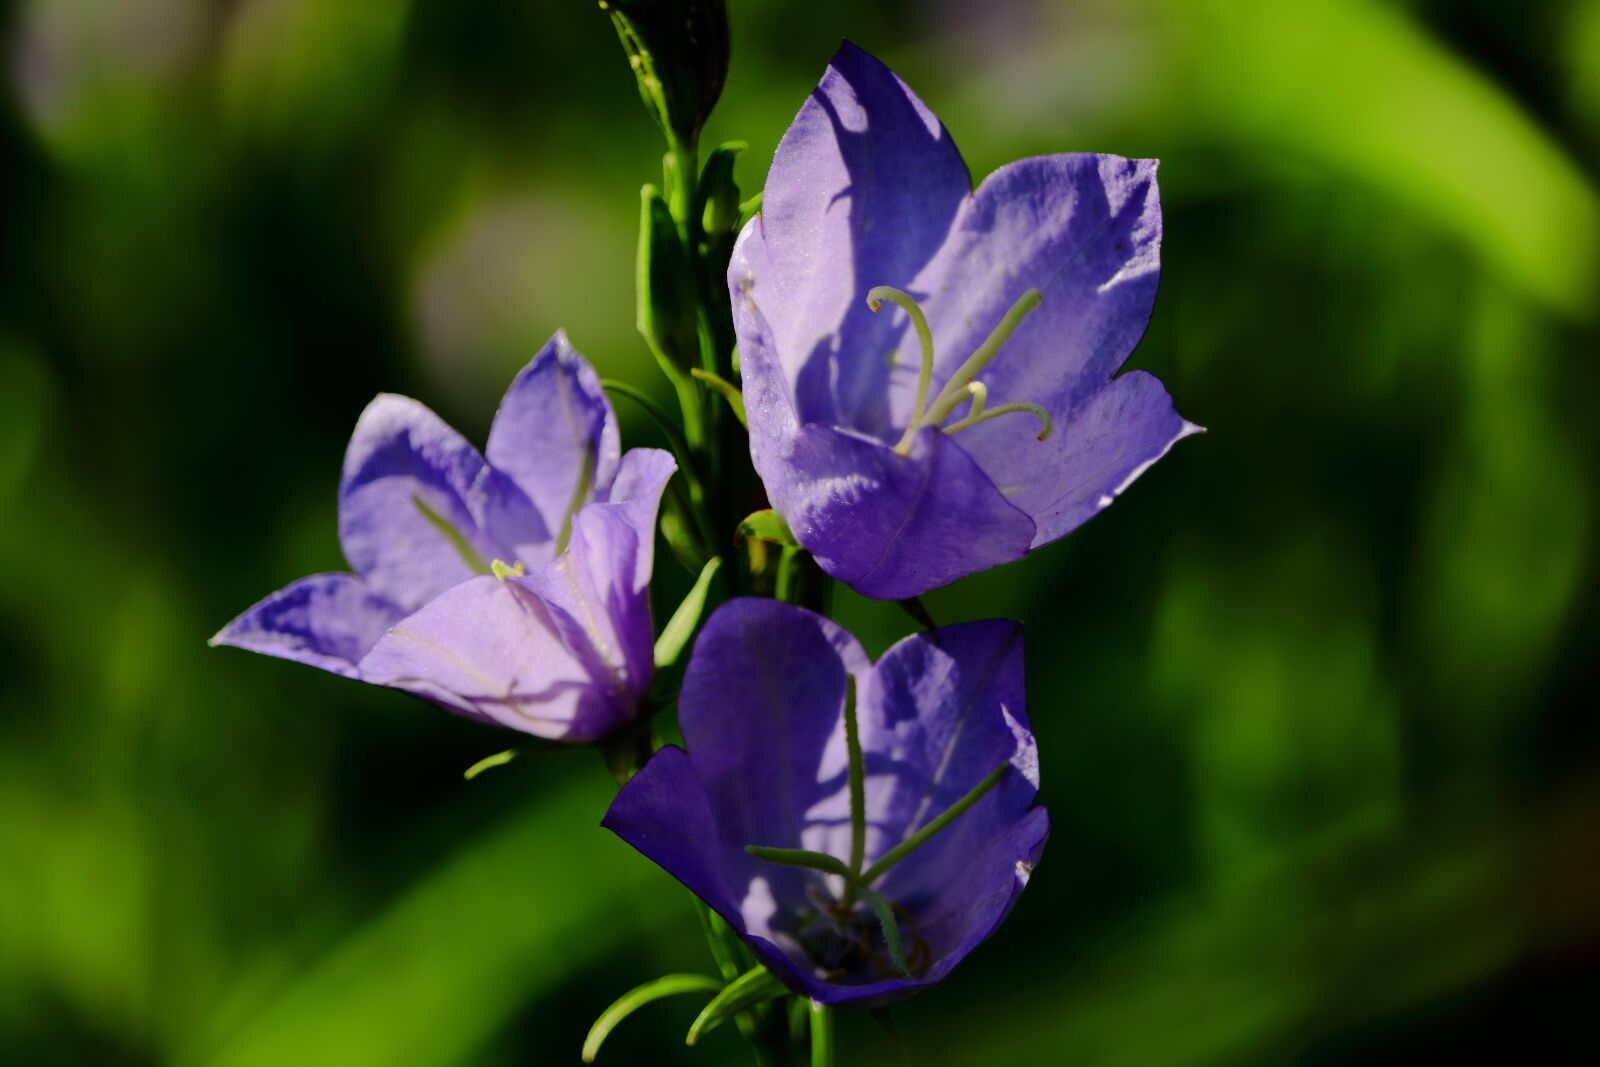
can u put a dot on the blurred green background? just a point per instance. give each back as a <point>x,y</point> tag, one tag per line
<point>1315,699</point>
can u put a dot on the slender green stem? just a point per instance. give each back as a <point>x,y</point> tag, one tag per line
<point>950,814</point>
<point>821,1035</point>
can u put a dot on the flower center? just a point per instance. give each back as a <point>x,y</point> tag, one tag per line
<point>962,386</point>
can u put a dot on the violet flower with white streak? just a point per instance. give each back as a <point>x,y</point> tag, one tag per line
<point>509,587</point>
<point>908,786</point>
<point>974,417</point>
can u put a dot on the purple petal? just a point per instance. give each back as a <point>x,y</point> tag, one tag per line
<point>1084,230</point>
<point>402,454</point>
<point>947,709</point>
<point>488,650</point>
<point>555,428</point>
<point>597,592</point>
<point>326,620</point>
<point>763,693</point>
<point>1111,438</point>
<point>893,526</point>
<point>861,192</point>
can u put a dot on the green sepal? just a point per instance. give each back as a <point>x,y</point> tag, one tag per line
<point>749,210</point>
<point>727,390</point>
<point>675,635</point>
<point>753,987</point>
<point>634,999</point>
<point>667,303</point>
<point>801,857</point>
<point>914,607</point>
<point>765,525</point>
<point>717,201</point>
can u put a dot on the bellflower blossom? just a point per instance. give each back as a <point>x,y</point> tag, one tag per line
<point>779,708</point>
<point>977,418</point>
<point>509,587</point>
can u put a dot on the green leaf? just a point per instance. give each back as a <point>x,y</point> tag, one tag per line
<point>634,999</point>
<point>801,857</point>
<point>891,928</point>
<point>765,525</point>
<point>755,986</point>
<point>675,636</point>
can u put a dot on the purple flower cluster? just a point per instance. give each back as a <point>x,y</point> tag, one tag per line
<point>981,420</point>
<point>930,379</point>
<point>510,587</point>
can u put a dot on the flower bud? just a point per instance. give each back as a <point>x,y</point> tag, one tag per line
<point>679,53</point>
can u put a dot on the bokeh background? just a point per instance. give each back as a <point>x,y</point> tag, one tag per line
<point>1315,698</point>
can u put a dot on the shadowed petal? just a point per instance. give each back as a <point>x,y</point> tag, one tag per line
<point>597,592</point>
<point>861,192</point>
<point>763,693</point>
<point>402,455</point>
<point>893,526</point>
<point>554,429</point>
<point>326,620</point>
<point>488,650</point>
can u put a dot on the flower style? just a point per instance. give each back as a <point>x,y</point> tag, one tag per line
<point>512,589</point>
<point>914,779</point>
<point>979,419</point>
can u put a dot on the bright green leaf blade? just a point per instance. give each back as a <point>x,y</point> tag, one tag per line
<point>675,636</point>
<point>766,525</point>
<point>634,999</point>
<point>755,986</point>
<point>800,857</point>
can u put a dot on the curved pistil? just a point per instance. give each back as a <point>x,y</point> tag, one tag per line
<point>961,385</point>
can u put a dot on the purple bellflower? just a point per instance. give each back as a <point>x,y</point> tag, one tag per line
<point>862,826</point>
<point>509,587</point>
<point>979,419</point>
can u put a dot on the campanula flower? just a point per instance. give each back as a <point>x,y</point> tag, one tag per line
<point>928,369</point>
<point>911,780</point>
<point>510,586</point>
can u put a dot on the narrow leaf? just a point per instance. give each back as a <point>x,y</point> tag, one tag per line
<point>755,986</point>
<point>801,857</point>
<point>634,999</point>
<point>675,635</point>
<point>765,525</point>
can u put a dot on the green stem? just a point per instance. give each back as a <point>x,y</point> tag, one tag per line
<point>821,1035</point>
